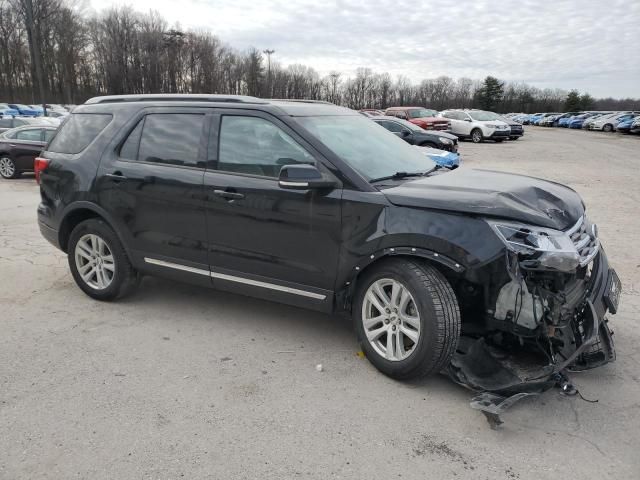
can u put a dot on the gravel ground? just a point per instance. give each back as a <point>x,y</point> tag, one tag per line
<point>184,382</point>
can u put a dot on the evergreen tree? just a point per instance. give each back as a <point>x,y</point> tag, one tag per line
<point>490,93</point>
<point>586,101</point>
<point>573,103</point>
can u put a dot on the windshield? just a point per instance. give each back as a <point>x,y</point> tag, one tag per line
<point>367,147</point>
<point>422,113</point>
<point>483,116</point>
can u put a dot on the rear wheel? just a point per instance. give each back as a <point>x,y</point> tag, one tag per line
<point>498,140</point>
<point>98,261</point>
<point>608,127</point>
<point>8,168</point>
<point>476,135</point>
<point>407,318</point>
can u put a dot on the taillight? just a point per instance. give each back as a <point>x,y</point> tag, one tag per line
<point>40,165</point>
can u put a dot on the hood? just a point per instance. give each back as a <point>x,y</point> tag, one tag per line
<point>493,194</point>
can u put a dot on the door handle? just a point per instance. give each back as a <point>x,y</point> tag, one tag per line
<point>228,195</point>
<point>117,176</point>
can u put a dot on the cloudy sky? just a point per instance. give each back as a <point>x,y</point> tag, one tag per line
<point>590,45</point>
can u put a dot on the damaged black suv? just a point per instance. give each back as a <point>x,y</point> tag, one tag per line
<point>496,279</point>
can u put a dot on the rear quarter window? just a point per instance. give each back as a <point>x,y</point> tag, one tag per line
<point>78,131</point>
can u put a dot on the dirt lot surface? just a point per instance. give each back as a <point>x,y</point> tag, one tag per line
<point>180,382</point>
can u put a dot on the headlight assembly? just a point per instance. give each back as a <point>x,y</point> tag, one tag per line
<point>446,141</point>
<point>538,247</point>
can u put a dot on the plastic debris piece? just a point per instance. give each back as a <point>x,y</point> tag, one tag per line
<point>319,367</point>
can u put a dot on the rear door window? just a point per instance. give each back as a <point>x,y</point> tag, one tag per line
<point>78,132</point>
<point>169,138</point>
<point>31,135</point>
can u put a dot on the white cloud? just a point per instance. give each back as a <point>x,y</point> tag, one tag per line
<point>590,44</point>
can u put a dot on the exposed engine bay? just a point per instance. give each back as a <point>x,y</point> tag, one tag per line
<point>544,314</point>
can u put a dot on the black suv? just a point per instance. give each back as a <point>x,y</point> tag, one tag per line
<point>315,205</point>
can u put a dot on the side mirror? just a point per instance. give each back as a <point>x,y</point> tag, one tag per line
<point>303,177</point>
<point>467,120</point>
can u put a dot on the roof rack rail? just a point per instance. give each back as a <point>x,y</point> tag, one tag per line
<point>174,97</point>
<point>300,100</point>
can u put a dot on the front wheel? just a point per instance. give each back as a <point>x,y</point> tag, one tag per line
<point>407,318</point>
<point>608,127</point>
<point>476,135</point>
<point>8,168</point>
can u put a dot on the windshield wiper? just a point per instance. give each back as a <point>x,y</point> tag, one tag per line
<point>397,175</point>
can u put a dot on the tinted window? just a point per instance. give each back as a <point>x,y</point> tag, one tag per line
<point>32,134</point>
<point>78,131</point>
<point>391,126</point>
<point>48,135</point>
<point>5,123</point>
<point>256,146</point>
<point>172,138</point>
<point>18,122</point>
<point>130,147</point>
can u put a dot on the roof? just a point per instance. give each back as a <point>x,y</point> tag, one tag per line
<point>294,107</point>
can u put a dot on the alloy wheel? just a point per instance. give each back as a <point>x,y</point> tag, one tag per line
<point>94,261</point>
<point>390,319</point>
<point>476,136</point>
<point>7,168</point>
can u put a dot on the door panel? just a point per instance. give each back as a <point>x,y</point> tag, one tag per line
<point>25,152</point>
<point>259,231</point>
<point>155,191</point>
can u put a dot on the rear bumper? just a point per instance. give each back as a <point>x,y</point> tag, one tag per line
<point>47,231</point>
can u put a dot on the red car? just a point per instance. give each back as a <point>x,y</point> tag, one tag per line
<point>423,117</point>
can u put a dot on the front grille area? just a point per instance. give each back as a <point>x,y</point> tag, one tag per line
<point>440,126</point>
<point>583,235</point>
<point>516,128</point>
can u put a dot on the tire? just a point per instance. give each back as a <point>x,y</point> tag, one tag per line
<point>8,168</point>
<point>432,306</point>
<point>116,277</point>
<point>514,138</point>
<point>607,128</point>
<point>476,135</point>
<point>498,140</point>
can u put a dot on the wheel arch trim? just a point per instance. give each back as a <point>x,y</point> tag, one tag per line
<point>92,207</point>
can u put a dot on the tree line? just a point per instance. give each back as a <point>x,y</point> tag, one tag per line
<point>122,51</point>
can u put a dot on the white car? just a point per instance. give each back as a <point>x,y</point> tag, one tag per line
<point>477,125</point>
<point>607,123</point>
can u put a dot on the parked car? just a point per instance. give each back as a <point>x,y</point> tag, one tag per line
<point>9,123</point>
<point>19,148</point>
<point>313,205</point>
<point>56,114</point>
<point>517,130</point>
<point>415,135</point>
<point>478,125</point>
<point>423,117</point>
<point>588,121</point>
<point>624,126</point>
<point>608,123</point>
<point>371,112</point>
<point>7,111</point>
<point>578,120</point>
<point>564,119</point>
<point>542,118</point>
<point>25,110</point>
<point>442,158</point>
<point>635,127</point>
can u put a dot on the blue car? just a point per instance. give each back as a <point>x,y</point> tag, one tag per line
<point>25,110</point>
<point>7,111</point>
<point>624,126</point>
<point>443,158</point>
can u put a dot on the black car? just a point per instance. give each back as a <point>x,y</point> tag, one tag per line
<point>415,135</point>
<point>9,123</point>
<point>314,205</point>
<point>517,130</point>
<point>20,146</point>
